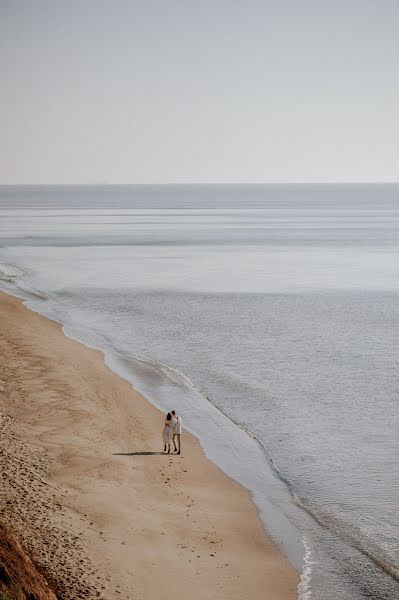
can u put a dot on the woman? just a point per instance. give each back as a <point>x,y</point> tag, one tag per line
<point>167,433</point>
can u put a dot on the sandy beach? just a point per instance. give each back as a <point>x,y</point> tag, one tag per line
<point>88,494</point>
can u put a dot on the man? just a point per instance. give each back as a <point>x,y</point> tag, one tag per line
<point>176,431</point>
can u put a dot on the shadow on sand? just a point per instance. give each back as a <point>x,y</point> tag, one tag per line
<point>140,454</point>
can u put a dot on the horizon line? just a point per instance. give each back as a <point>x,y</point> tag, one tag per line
<point>205,183</point>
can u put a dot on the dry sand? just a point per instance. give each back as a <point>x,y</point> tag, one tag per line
<point>86,492</point>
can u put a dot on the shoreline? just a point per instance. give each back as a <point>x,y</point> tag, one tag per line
<point>148,523</point>
<point>228,445</point>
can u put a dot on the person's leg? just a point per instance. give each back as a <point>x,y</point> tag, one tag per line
<point>168,448</point>
<point>174,441</point>
<point>179,438</point>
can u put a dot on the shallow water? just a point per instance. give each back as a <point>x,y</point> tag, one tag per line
<point>272,310</point>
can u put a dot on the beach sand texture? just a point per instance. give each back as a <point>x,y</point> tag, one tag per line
<point>87,493</point>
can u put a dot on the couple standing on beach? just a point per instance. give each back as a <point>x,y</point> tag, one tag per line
<point>172,432</point>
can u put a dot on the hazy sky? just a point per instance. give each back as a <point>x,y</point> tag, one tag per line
<point>199,90</point>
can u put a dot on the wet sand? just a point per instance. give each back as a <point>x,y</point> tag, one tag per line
<point>86,490</point>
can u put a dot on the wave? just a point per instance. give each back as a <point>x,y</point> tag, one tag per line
<point>352,536</point>
<point>36,293</point>
<point>12,274</point>
<point>304,589</point>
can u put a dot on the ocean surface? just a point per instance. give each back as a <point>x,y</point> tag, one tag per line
<point>268,317</point>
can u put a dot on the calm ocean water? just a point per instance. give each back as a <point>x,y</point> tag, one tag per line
<point>269,317</point>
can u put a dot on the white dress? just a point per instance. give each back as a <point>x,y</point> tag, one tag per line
<point>167,432</point>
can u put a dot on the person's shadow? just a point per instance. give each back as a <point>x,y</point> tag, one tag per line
<point>140,454</point>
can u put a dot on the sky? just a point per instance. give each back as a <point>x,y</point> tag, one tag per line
<point>190,91</point>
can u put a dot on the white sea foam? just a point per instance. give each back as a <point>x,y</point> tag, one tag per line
<point>10,272</point>
<point>304,589</point>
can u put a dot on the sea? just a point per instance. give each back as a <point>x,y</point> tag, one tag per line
<point>267,316</point>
